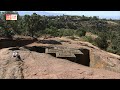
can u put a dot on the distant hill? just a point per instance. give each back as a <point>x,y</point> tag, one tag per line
<point>39,12</point>
<point>58,14</point>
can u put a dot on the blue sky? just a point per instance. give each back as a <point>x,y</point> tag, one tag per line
<point>101,14</point>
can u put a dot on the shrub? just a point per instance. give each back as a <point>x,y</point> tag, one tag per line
<point>110,49</point>
<point>101,43</point>
<point>80,32</point>
<point>88,39</point>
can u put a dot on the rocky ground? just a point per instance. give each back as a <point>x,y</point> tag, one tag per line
<point>34,65</point>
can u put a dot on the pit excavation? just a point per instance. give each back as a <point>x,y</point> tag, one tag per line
<point>80,56</point>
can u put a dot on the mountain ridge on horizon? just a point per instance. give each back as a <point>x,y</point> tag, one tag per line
<point>59,14</point>
<point>39,12</point>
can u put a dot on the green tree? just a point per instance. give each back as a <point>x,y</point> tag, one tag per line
<point>11,24</point>
<point>101,41</point>
<point>34,23</point>
<point>81,32</point>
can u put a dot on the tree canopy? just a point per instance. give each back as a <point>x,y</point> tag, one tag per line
<point>36,25</point>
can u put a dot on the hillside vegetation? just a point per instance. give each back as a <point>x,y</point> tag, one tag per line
<point>101,32</point>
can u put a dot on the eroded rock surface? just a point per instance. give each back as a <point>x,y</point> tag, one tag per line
<point>37,65</point>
